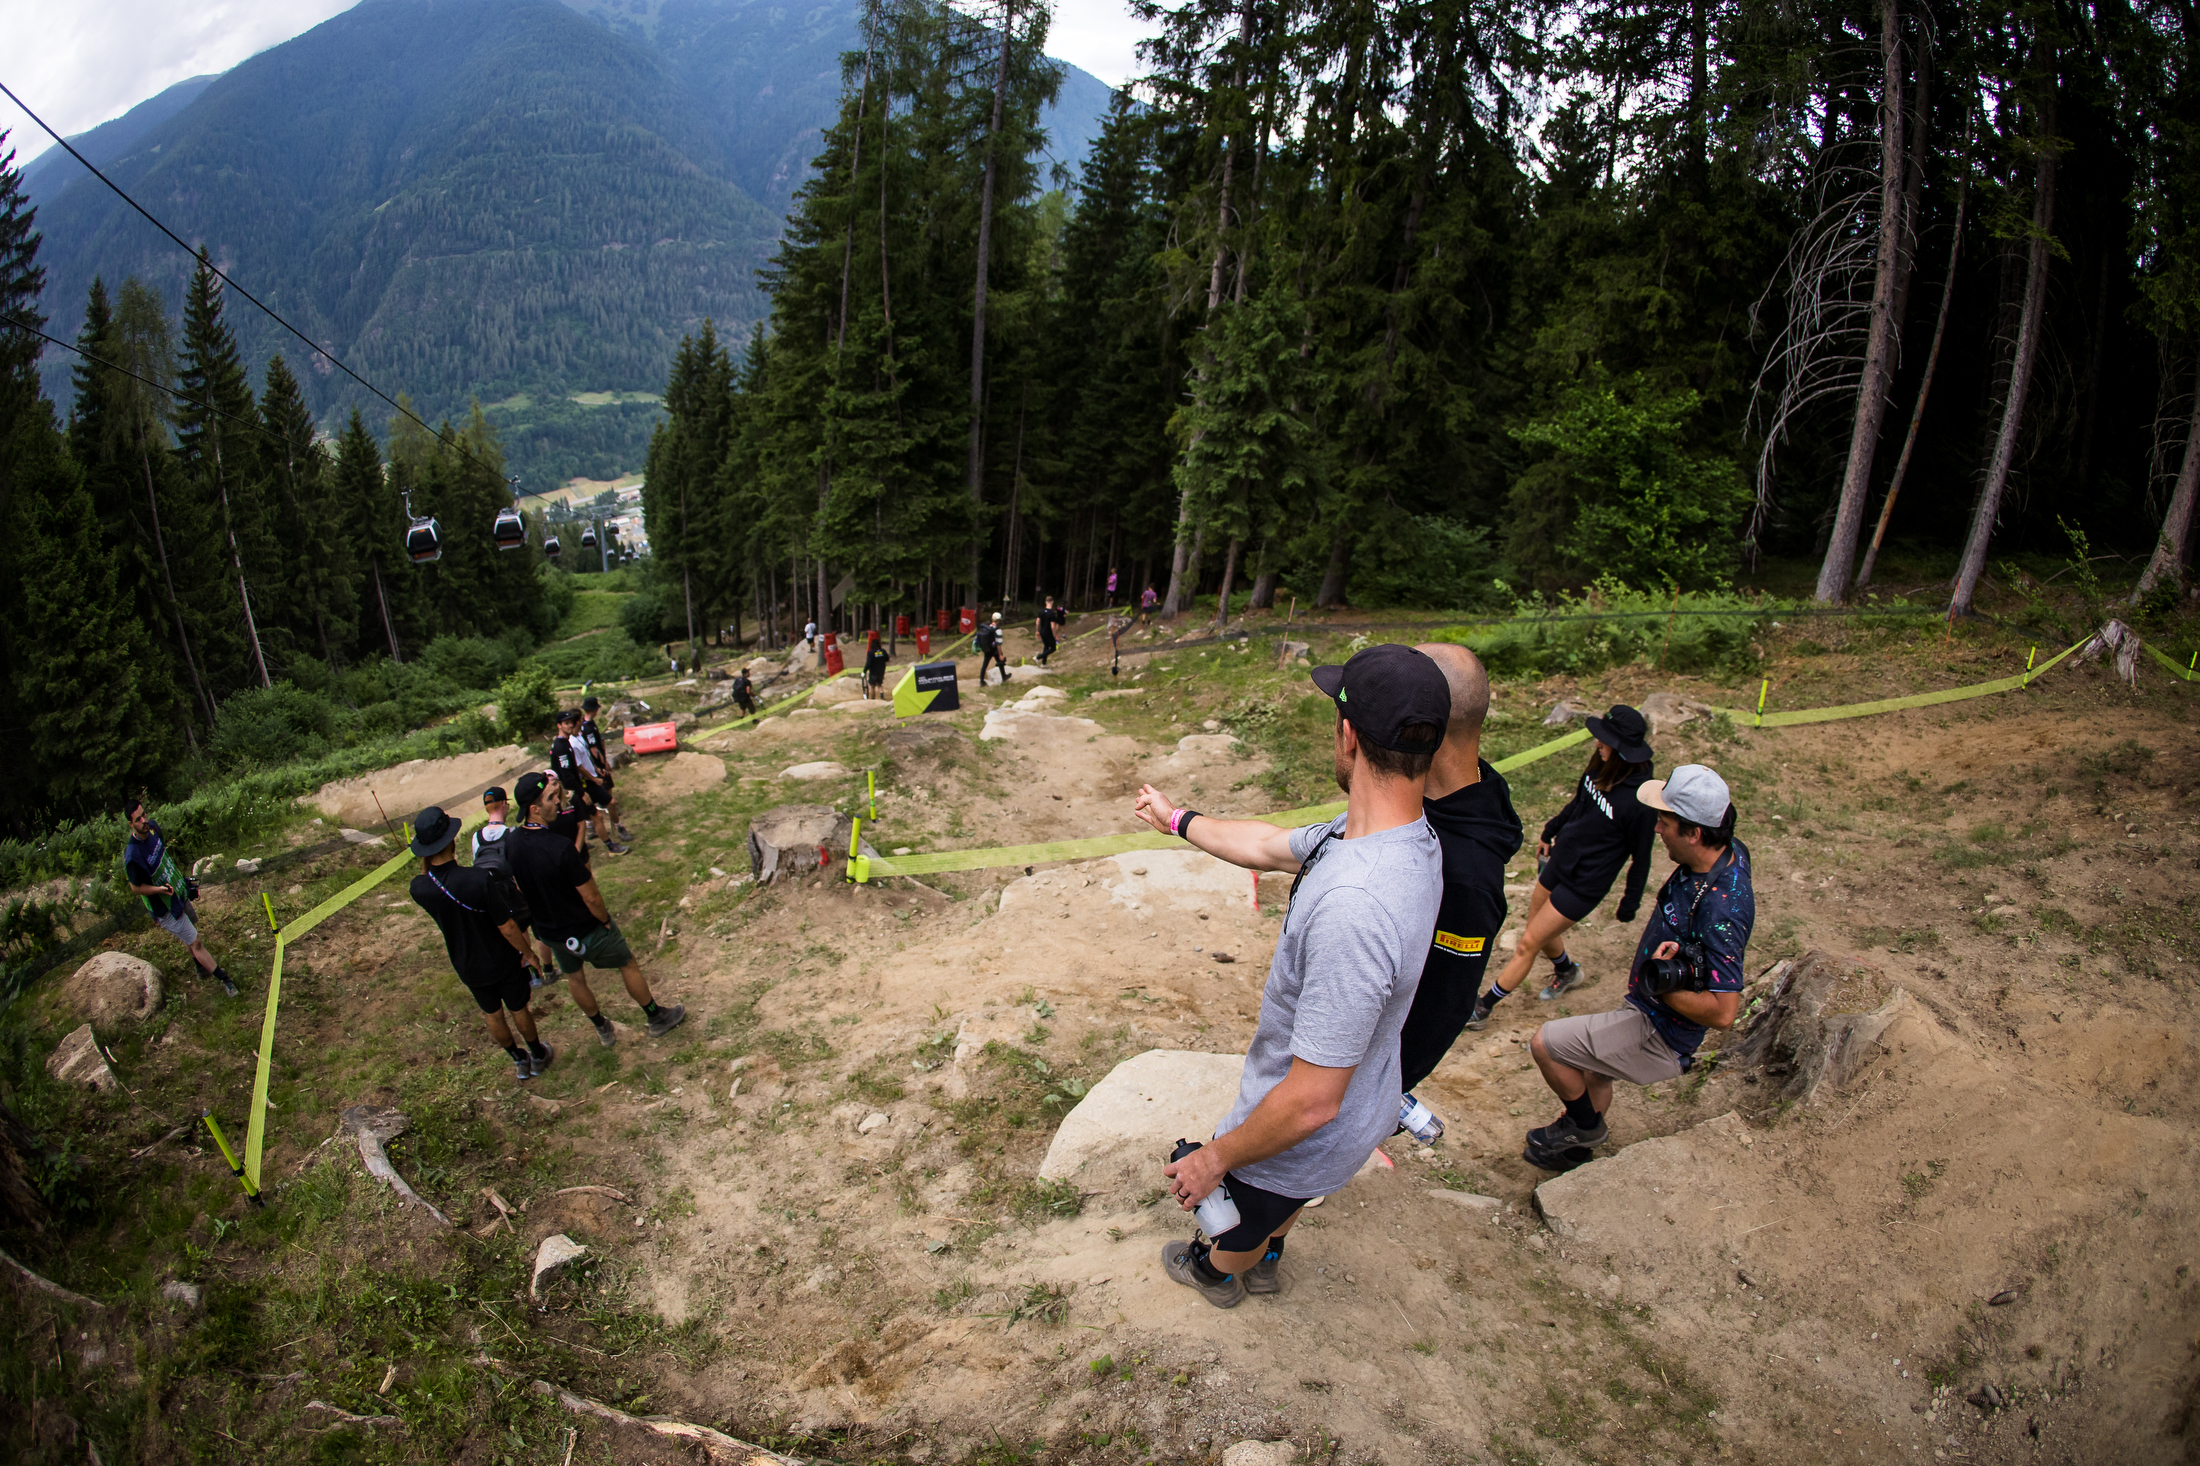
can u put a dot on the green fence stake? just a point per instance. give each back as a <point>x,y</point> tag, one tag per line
<point>1763,688</point>
<point>870,780</point>
<point>236,1167</point>
<point>859,867</point>
<point>2028,656</point>
<point>270,905</point>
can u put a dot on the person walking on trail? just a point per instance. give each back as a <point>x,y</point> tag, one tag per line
<point>1685,981</point>
<point>571,918</point>
<point>1147,600</point>
<point>874,670</point>
<point>989,641</point>
<point>154,870</point>
<point>496,807</point>
<point>576,770</point>
<point>491,852</point>
<point>744,693</point>
<point>1320,1086</point>
<point>1580,855</point>
<point>1051,618</point>
<point>482,934</point>
<point>602,757</point>
<point>1469,806</point>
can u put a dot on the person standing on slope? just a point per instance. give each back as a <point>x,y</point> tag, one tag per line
<point>482,936</point>
<point>590,706</point>
<point>155,873</point>
<point>1051,617</point>
<point>1469,806</point>
<point>1582,849</point>
<point>989,642</point>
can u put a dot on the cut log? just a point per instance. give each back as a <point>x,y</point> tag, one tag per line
<point>717,1447</point>
<point>555,1251</point>
<point>372,1128</point>
<point>793,839</point>
<point>1803,1042</point>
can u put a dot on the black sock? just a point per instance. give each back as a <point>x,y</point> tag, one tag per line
<point>1205,1269</point>
<point>1275,1250</point>
<point>650,1008</point>
<point>1582,1113</point>
<point>1490,999</point>
<point>1563,961</point>
<point>519,1055</point>
<point>538,1048</point>
<point>599,1020</point>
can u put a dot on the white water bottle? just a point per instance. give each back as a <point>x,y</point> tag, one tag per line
<point>1419,1121</point>
<point>1217,1212</point>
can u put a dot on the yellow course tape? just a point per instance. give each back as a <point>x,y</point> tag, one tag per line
<point>1894,704</point>
<point>2190,674</point>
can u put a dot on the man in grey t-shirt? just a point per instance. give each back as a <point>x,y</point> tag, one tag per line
<point>1321,1082</point>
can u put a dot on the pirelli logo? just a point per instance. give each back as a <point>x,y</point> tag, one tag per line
<point>1468,946</point>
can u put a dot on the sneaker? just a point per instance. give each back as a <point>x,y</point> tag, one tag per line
<point>623,832</point>
<point>1560,1161</point>
<point>613,847</point>
<point>669,1016</point>
<point>228,985</point>
<point>1261,1277</point>
<point>604,1034</point>
<point>526,1069</point>
<point>1176,1261</point>
<point>1564,1134</point>
<point>1563,981</point>
<point>539,1064</point>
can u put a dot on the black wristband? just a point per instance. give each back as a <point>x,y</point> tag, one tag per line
<point>1184,818</point>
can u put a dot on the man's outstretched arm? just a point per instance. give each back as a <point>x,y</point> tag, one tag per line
<point>1254,844</point>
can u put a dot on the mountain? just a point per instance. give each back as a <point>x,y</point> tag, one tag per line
<point>522,202</point>
<point>53,170</point>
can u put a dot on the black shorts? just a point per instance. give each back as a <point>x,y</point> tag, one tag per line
<point>1571,904</point>
<point>501,992</point>
<point>1260,1212</point>
<point>599,793</point>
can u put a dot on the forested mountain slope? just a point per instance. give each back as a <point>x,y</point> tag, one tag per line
<point>54,170</point>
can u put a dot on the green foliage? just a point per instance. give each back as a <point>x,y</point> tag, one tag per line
<point>1621,495</point>
<point>526,705</point>
<point>1610,624</point>
<point>1429,561</point>
<point>266,726</point>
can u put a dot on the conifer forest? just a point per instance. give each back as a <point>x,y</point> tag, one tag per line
<point>1441,305</point>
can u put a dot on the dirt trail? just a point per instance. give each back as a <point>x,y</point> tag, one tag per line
<point>858,1222</point>
<point>405,789</point>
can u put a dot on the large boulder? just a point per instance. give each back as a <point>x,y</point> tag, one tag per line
<point>1120,1134</point>
<point>1654,1196</point>
<point>77,1060</point>
<point>836,691</point>
<point>113,988</point>
<point>794,838</point>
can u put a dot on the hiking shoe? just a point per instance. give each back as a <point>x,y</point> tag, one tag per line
<point>669,1016</point>
<point>623,832</point>
<point>1564,1134</point>
<point>526,1069</point>
<point>1176,1261</point>
<point>1563,981</point>
<point>604,1034</point>
<point>613,847</point>
<point>1560,1161</point>
<point>229,986</point>
<point>539,1064</point>
<point>1261,1276</point>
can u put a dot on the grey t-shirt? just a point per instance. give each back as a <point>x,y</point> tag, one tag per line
<point>1346,968</point>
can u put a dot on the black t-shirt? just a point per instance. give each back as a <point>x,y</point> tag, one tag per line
<point>595,745</point>
<point>1599,831</point>
<point>551,873</point>
<point>564,765</point>
<point>1478,832</point>
<point>1048,620</point>
<point>469,909</point>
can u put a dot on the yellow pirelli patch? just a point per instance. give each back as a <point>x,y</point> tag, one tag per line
<point>1451,942</point>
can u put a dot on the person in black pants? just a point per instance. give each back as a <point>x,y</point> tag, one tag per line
<point>1581,852</point>
<point>1469,806</point>
<point>1051,617</point>
<point>486,946</point>
<point>988,638</point>
<point>593,736</point>
<point>744,693</point>
<point>874,670</point>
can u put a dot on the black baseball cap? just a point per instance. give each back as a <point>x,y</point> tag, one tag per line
<point>569,715</point>
<point>527,793</point>
<point>433,831</point>
<point>494,794</point>
<point>1384,690</point>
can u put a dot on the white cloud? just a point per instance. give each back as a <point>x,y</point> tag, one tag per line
<point>1101,36</point>
<point>81,63</point>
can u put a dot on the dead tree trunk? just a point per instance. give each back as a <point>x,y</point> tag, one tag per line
<point>1880,346</point>
<point>2169,550</point>
<point>2020,376</point>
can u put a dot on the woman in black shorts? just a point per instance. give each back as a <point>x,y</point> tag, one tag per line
<point>1580,855</point>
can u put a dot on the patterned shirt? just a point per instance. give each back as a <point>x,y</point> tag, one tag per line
<point>1723,918</point>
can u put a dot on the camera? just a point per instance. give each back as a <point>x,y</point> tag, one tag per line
<point>1686,971</point>
<point>190,889</point>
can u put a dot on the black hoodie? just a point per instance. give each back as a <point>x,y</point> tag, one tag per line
<point>1594,835</point>
<point>1478,832</point>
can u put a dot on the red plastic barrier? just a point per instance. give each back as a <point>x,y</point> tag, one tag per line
<point>901,626</point>
<point>652,738</point>
<point>924,641</point>
<point>834,665</point>
<point>939,619</point>
<point>969,619</point>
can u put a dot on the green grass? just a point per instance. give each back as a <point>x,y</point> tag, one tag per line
<point>593,610</point>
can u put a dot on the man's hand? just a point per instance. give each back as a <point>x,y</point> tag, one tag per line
<point>1542,850</point>
<point>1154,808</point>
<point>1665,951</point>
<point>1194,1178</point>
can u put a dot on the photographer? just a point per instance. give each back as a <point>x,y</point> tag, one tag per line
<point>1687,974</point>
<point>1320,1087</point>
<point>154,871</point>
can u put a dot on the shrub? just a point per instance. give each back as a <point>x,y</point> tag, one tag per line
<point>270,725</point>
<point>1610,624</point>
<point>471,662</point>
<point>526,706</point>
<point>651,619</point>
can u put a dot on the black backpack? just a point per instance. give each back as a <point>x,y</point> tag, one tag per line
<point>495,858</point>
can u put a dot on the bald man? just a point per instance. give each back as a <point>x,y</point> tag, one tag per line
<point>1469,806</point>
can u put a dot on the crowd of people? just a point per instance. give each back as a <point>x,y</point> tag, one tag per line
<point>1396,905</point>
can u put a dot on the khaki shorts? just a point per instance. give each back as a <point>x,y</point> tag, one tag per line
<point>1621,1044</point>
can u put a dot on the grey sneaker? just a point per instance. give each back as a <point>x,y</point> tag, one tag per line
<point>229,985</point>
<point>1261,1276</point>
<point>1563,981</point>
<point>1564,1134</point>
<point>1176,1261</point>
<point>604,1033</point>
<point>540,1063</point>
<point>669,1016</point>
<point>526,1070</point>
<point>613,847</point>
<point>622,832</point>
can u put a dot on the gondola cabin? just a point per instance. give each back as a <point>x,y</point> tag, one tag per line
<point>424,541</point>
<point>511,530</point>
<point>588,538</point>
<point>550,546</point>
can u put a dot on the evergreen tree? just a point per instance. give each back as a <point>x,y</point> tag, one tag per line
<point>320,598</point>
<point>369,512</point>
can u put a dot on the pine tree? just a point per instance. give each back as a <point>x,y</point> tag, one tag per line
<point>371,519</point>
<point>320,594</point>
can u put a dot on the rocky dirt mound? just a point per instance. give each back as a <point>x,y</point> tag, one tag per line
<point>403,790</point>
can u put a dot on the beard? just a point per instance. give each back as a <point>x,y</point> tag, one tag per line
<point>1341,767</point>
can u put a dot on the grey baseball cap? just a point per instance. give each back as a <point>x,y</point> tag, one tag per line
<point>1692,792</point>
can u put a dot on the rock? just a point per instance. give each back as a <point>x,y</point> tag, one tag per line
<point>249,867</point>
<point>544,1104</point>
<point>793,838</point>
<point>361,837</point>
<point>876,1120</point>
<point>1029,723</point>
<point>556,1251</point>
<point>77,1060</point>
<point>759,666</point>
<point>1565,710</point>
<point>1622,1204</point>
<point>806,713</point>
<point>177,1291</point>
<point>1208,743</point>
<point>1181,877</point>
<point>1668,710</point>
<point>1289,651</point>
<point>1260,1453</point>
<point>1471,1199</point>
<point>113,988</point>
<point>820,770</point>
<point>867,705</point>
<point>836,691</point>
<point>1120,1133</point>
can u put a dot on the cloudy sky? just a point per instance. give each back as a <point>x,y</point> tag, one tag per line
<point>80,62</point>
